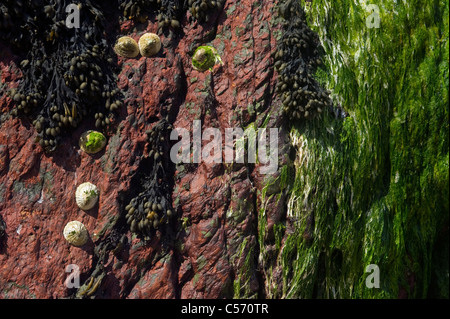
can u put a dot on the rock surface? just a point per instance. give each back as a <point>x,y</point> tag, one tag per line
<point>216,204</point>
<point>363,184</point>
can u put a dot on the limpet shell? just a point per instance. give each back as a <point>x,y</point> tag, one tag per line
<point>126,47</point>
<point>86,195</point>
<point>205,57</point>
<point>76,233</point>
<point>149,44</point>
<point>92,141</point>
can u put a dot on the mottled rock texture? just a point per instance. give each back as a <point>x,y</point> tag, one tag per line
<point>215,235</point>
<point>366,183</point>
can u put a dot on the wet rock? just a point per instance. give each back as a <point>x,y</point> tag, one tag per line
<point>213,243</point>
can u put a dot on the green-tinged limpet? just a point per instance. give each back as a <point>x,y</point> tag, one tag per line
<point>126,47</point>
<point>205,57</point>
<point>149,44</point>
<point>76,233</point>
<point>86,195</point>
<point>92,142</point>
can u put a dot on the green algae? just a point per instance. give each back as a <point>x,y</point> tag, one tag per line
<point>205,57</point>
<point>376,182</point>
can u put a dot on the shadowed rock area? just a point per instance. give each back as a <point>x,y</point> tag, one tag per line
<point>362,172</point>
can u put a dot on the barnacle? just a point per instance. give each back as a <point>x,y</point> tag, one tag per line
<point>86,195</point>
<point>126,47</point>
<point>92,142</point>
<point>67,76</point>
<point>76,233</point>
<point>151,208</point>
<point>296,59</point>
<point>149,44</point>
<point>205,57</point>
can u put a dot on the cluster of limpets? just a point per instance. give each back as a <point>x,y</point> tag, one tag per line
<point>86,194</point>
<point>67,76</point>
<point>149,45</point>
<point>296,59</point>
<point>86,197</point>
<point>151,209</point>
<point>203,9</point>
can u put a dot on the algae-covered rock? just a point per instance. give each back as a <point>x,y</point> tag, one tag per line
<point>370,185</point>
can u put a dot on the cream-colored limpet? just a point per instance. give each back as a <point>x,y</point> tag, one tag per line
<point>86,195</point>
<point>149,44</point>
<point>126,47</point>
<point>76,233</point>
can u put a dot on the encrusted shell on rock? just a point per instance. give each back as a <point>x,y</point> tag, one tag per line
<point>126,47</point>
<point>76,233</point>
<point>205,57</point>
<point>149,44</point>
<point>86,195</point>
<point>92,142</point>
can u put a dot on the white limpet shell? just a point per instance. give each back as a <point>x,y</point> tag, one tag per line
<point>76,233</point>
<point>149,44</point>
<point>86,195</point>
<point>126,47</point>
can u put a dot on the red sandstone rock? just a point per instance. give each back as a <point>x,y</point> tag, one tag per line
<point>218,203</point>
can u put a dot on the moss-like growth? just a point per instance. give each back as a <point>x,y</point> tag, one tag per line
<point>92,142</point>
<point>373,188</point>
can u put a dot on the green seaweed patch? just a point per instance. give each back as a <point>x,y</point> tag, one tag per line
<point>92,142</point>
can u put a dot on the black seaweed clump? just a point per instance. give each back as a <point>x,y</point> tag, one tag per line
<point>296,60</point>
<point>169,13</point>
<point>202,10</point>
<point>15,18</point>
<point>68,73</point>
<point>2,227</point>
<point>151,209</point>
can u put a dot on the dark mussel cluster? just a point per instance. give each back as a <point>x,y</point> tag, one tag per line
<point>67,74</point>
<point>203,9</point>
<point>151,209</point>
<point>296,59</point>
